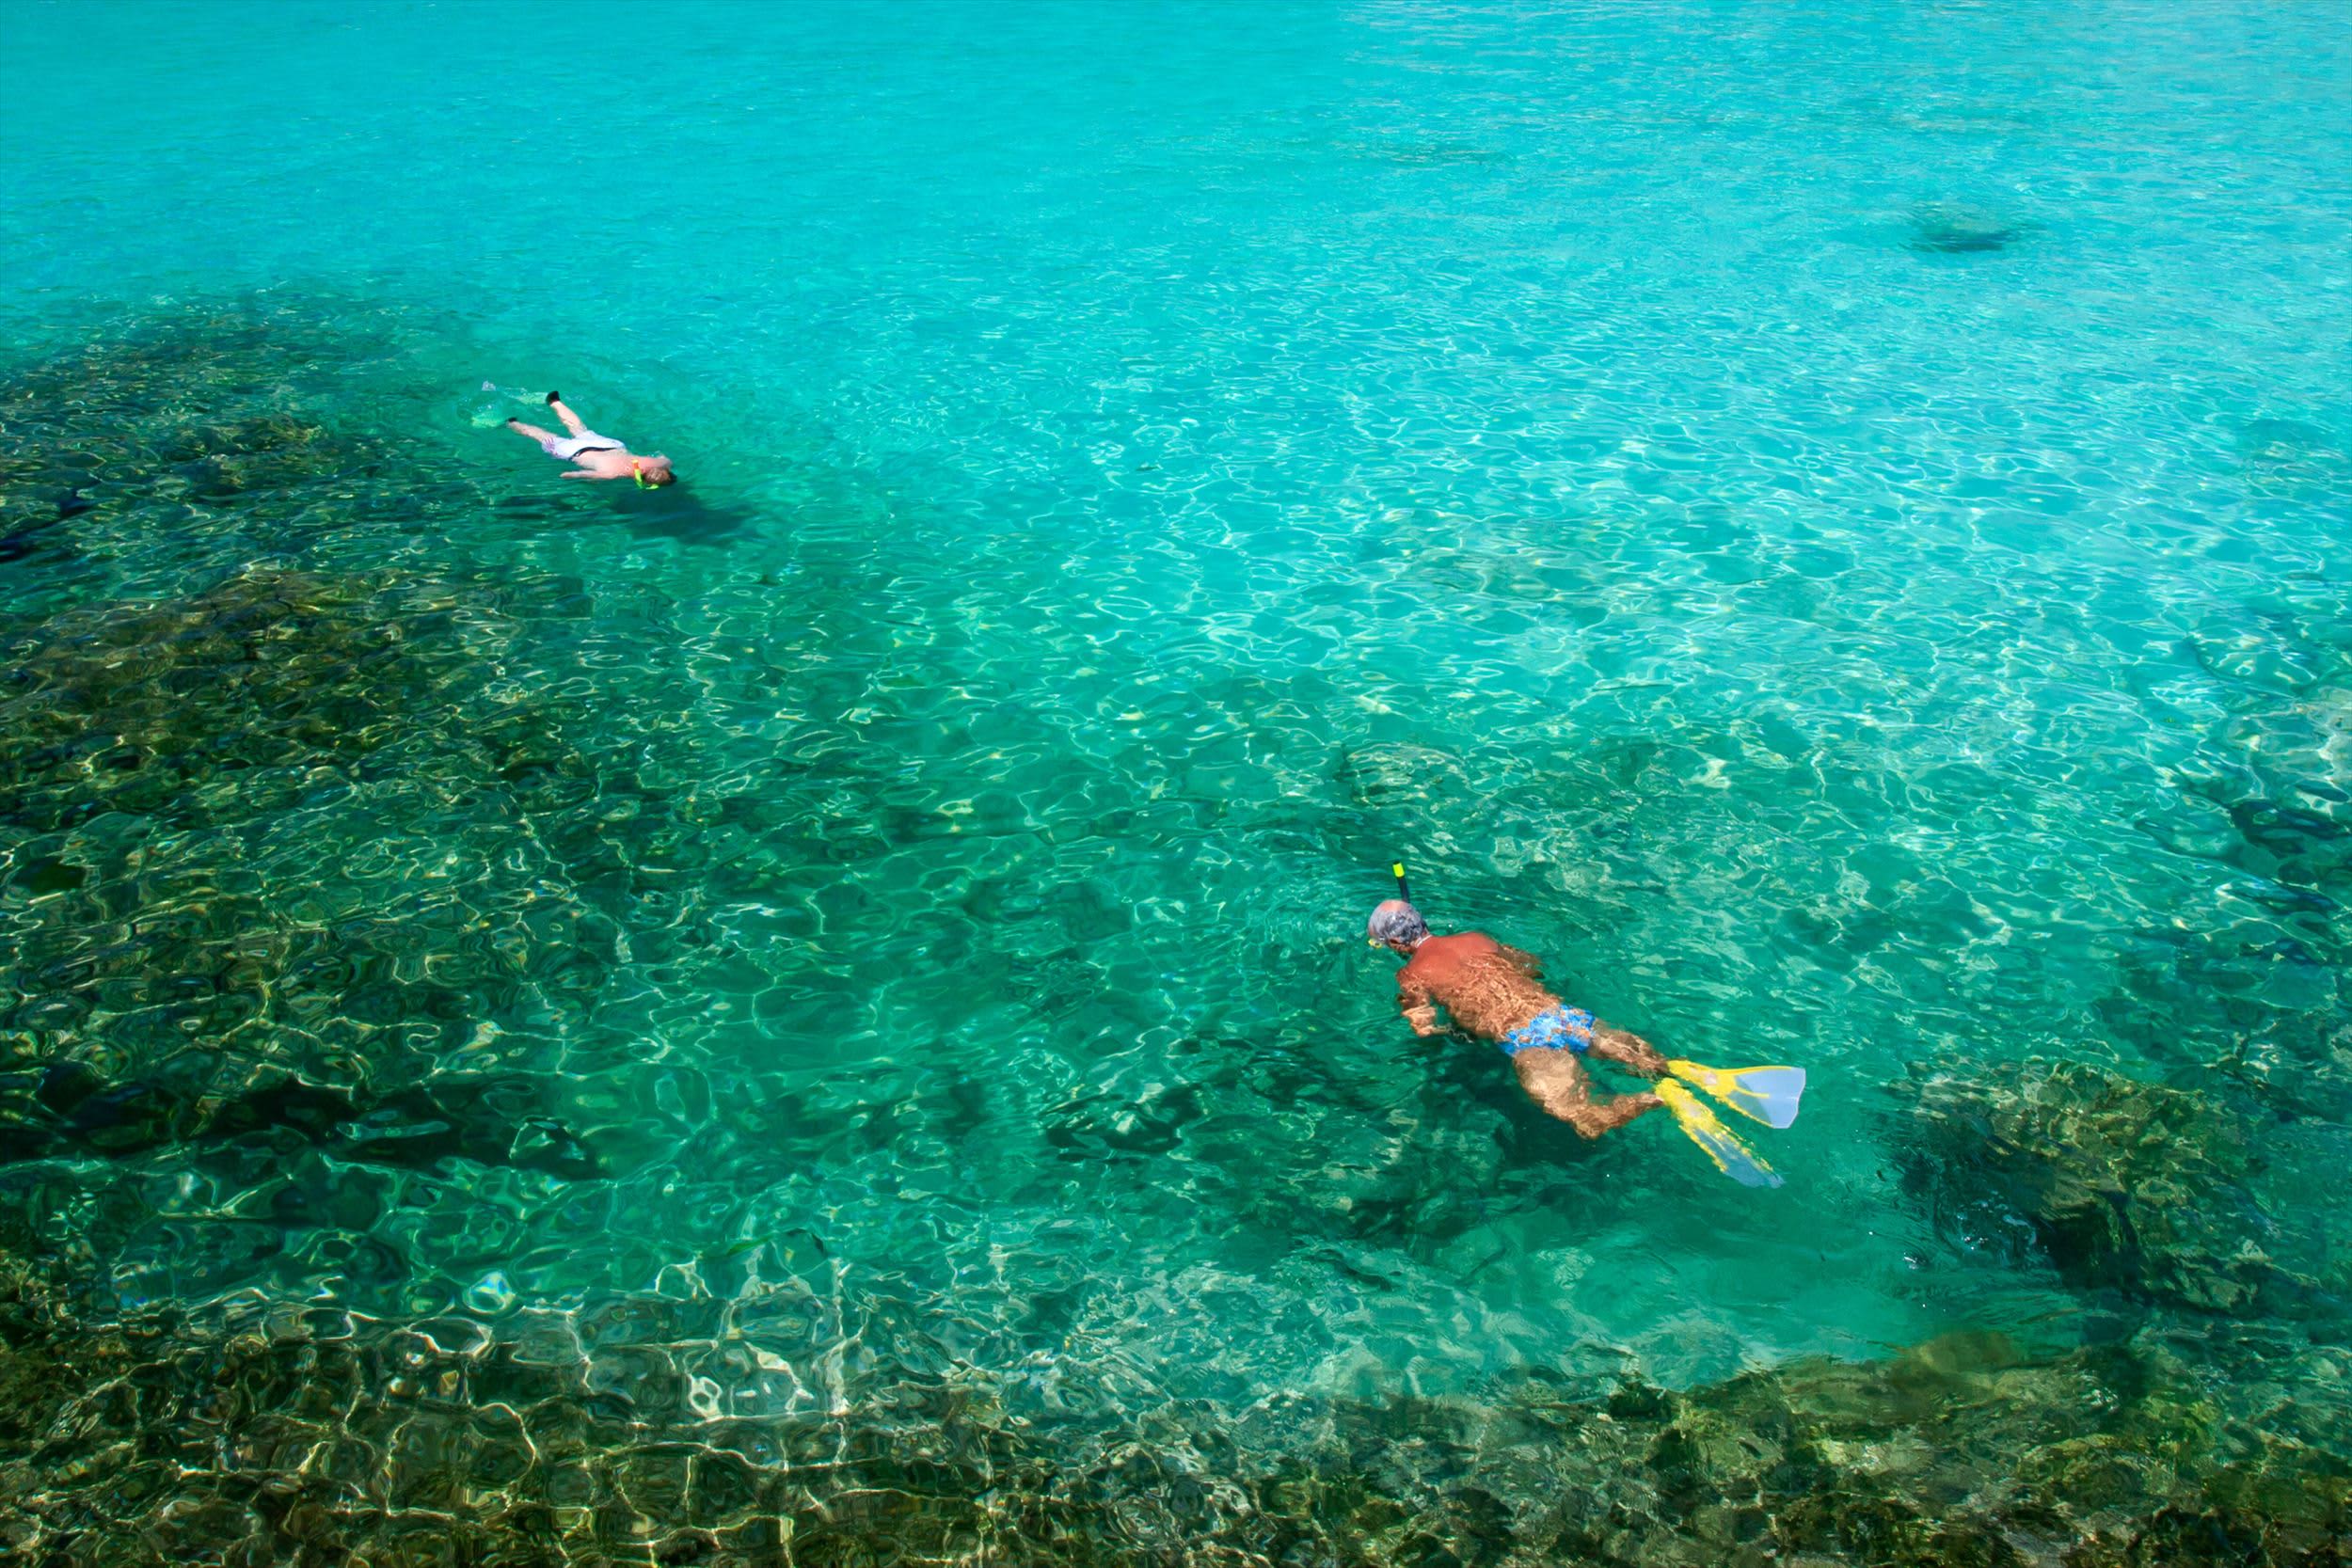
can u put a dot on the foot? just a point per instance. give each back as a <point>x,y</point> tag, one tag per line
<point>554,398</point>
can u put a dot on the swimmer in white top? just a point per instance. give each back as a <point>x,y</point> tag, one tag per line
<point>594,456</point>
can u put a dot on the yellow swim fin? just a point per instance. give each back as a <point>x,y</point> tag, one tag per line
<point>1768,1094</point>
<point>1732,1157</point>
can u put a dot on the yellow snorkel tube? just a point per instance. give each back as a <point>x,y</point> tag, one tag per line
<point>636,473</point>
<point>1396,870</point>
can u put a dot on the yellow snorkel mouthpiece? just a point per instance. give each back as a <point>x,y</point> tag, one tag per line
<point>636,473</point>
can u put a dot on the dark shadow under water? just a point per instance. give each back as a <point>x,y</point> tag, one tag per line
<point>71,1110</point>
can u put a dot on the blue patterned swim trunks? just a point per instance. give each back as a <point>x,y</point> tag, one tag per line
<point>1558,1029</point>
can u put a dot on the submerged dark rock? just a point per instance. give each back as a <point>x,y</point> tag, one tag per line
<point>2138,1189</point>
<point>283,841</point>
<point>19,545</point>
<point>70,1109</point>
<point>1943,229</point>
<point>2251,987</point>
<point>628,1433</point>
<point>158,413</point>
<point>122,707</point>
<point>152,753</point>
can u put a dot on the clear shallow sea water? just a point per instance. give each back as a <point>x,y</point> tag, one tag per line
<point>1829,524</point>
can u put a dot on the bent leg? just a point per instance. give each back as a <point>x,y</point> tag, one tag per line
<point>1627,1049</point>
<point>571,421</point>
<point>1555,1081</point>
<point>542,436</point>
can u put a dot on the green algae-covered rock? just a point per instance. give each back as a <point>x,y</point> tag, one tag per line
<point>1959,1452</point>
<point>215,961</point>
<point>2128,1186</point>
<point>298,1436</point>
<point>286,845</point>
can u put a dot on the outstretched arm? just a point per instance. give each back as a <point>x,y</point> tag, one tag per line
<point>581,473</point>
<point>1412,997</point>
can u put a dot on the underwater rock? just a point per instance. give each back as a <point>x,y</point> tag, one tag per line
<point>650,1429</point>
<point>2296,837</point>
<point>170,770</point>
<point>70,1109</point>
<point>2126,1186</point>
<point>19,545</point>
<point>2253,984</point>
<point>189,945</point>
<point>1944,230</point>
<point>2245,1004</point>
<point>184,406</point>
<point>2291,460</point>
<point>122,707</point>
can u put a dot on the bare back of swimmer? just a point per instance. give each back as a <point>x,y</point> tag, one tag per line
<point>1496,993</point>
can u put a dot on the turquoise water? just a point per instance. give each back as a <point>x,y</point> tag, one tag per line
<point>1830,524</point>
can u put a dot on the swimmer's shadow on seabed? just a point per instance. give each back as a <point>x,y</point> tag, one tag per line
<point>1476,1073</point>
<point>674,513</point>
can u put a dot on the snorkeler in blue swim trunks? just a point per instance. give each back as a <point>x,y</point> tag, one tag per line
<point>1496,993</point>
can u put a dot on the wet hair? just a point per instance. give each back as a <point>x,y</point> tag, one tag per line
<point>1397,921</point>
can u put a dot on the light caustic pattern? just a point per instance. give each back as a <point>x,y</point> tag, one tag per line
<point>1831,530</point>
